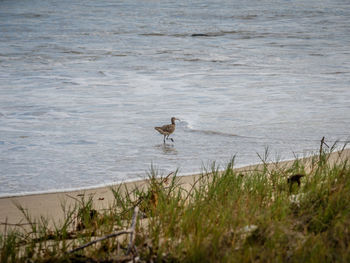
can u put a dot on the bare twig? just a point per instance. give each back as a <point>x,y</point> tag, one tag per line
<point>264,159</point>
<point>76,199</point>
<point>5,232</point>
<point>130,231</point>
<point>122,232</point>
<point>321,150</point>
<point>166,178</point>
<point>321,159</point>
<point>132,228</point>
<point>11,224</point>
<point>193,186</point>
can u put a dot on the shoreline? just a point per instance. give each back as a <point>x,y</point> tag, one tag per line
<point>140,178</point>
<point>49,205</point>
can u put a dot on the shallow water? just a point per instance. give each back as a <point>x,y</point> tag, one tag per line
<point>83,83</point>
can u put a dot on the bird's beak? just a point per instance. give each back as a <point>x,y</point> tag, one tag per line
<point>177,119</point>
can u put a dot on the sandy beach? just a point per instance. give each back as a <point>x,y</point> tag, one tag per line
<point>49,205</point>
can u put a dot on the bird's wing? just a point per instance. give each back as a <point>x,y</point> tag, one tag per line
<point>168,128</point>
<point>165,129</point>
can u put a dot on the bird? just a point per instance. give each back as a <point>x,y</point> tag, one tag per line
<point>167,129</point>
<point>295,179</point>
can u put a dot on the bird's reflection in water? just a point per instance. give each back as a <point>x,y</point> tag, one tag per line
<point>168,149</point>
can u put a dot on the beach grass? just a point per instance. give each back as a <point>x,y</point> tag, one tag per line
<point>225,215</point>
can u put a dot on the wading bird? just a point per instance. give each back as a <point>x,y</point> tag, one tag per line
<point>168,129</point>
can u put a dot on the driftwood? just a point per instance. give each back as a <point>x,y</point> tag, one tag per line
<point>100,239</point>
<point>130,231</point>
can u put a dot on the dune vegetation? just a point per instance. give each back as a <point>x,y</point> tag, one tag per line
<point>226,215</point>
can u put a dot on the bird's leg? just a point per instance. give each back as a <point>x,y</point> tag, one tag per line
<point>172,139</point>
<point>164,139</point>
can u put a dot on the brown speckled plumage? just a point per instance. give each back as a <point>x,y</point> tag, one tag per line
<point>168,129</point>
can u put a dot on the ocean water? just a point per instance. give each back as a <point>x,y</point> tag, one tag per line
<point>83,83</point>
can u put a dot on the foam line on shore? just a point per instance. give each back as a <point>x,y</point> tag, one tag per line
<point>140,178</point>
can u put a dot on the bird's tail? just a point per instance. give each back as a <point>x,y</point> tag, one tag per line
<point>159,129</point>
